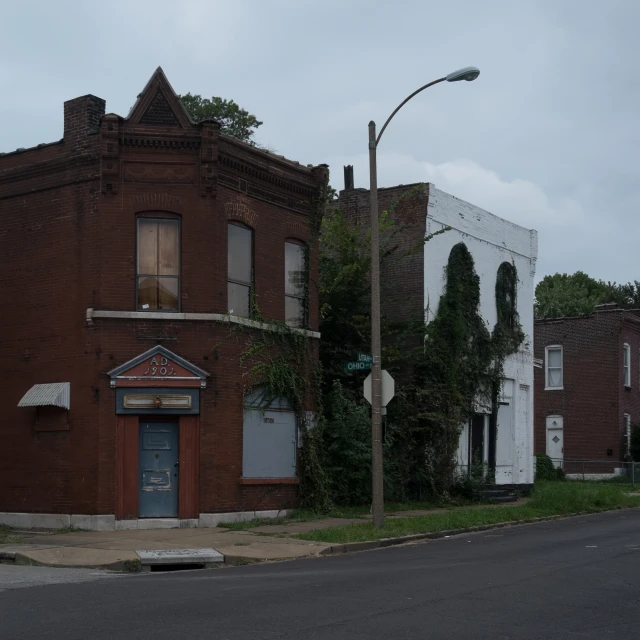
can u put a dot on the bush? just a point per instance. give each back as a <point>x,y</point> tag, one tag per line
<point>347,440</point>
<point>546,470</point>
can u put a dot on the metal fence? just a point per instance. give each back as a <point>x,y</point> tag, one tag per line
<point>588,469</point>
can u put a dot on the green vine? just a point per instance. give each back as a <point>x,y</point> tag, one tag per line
<point>462,365</point>
<point>282,362</point>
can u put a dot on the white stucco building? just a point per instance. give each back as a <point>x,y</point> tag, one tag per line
<point>491,241</point>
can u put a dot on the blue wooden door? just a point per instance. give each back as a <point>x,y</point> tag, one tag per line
<point>158,470</point>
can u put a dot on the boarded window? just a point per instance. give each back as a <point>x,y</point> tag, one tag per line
<point>269,440</point>
<point>294,285</point>
<point>239,270</point>
<point>158,273</point>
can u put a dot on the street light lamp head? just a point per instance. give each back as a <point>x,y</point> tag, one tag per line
<point>468,74</point>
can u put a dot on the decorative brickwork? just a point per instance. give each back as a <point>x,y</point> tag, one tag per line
<point>68,238</point>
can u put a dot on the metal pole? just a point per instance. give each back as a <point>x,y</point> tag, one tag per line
<point>376,365</point>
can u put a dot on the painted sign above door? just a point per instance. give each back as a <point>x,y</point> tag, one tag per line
<point>158,367</point>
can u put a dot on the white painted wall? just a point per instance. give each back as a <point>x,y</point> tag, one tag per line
<point>491,241</point>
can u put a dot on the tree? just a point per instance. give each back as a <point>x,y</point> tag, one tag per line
<point>234,120</point>
<point>563,295</point>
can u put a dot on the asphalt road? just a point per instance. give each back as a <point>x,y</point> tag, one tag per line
<point>575,578</point>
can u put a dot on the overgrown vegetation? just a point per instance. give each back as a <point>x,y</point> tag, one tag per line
<point>548,499</point>
<point>7,536</point>
<point>445,367</point>
<point>546,470</point>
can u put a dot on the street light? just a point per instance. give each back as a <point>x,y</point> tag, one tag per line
<point>468,74</point>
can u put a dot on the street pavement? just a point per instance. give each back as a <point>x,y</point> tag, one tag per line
<point>573,578</point>
<point>20,577</point>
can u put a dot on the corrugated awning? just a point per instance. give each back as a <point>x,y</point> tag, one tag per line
<point>53,394</point>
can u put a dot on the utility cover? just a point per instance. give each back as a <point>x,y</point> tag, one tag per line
<point>388,388</point>
<point>179,556</point>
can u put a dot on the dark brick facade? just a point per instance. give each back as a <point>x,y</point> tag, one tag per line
<point>401,282</point>
<point>68,235</point>
<point>593,399</point>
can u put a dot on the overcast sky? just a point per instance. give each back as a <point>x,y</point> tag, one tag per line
<point>547,137</point>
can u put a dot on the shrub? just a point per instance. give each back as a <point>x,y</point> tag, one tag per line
<point>545,469</point>
<point>347,439</point>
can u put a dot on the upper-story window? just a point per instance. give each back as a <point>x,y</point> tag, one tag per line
<point>295,303</point>
<point>506,295</point>
<point>626,365</point>
<point>239,269</point>
<point>158,272</point>
<point>553,367</point>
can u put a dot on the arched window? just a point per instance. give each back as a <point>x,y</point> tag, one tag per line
<point>506,295</point>
<point>295,302</point>
<point>239,269</point>
<point>158,263</point>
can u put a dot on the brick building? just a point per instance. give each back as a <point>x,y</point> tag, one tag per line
<point>588,388</point>
<point>131,248</point>
<point>412,287</point>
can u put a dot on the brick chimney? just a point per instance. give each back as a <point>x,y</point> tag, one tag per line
<point>81,120</point>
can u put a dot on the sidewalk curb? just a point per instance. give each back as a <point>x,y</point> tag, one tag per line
<point>351,547</point>
<point>15,557</point>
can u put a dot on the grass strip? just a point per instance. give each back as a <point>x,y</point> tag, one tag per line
<point>548,499</point>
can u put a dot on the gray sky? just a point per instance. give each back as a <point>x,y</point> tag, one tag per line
<point>547,137</point>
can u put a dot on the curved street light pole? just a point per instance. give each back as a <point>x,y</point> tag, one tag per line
<point>377,506</point>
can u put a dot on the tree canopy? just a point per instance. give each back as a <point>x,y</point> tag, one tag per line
<point>561,295</point>
<point>234,120</point>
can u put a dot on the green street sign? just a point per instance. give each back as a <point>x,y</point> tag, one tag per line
<point>365,357</point>
<point>358,366</point>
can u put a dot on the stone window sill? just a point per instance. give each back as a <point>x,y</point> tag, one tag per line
<point>254,481</point>
<point>172,316</point>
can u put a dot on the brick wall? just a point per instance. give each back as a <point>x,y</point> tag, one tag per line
<point>593,399</point>
<point>68,238</point>
<point>401,282</point>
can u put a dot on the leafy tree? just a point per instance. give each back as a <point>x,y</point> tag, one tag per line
<point>563,295</point>
<point>234,120</point>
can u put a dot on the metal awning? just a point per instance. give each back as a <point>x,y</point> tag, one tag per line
<point>52,394</point>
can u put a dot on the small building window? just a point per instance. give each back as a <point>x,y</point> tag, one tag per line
<point>627,433</point>
<point>295,303</point>
<point>626,365</point>
<point>239,270</point>
<point>158,272</point>
<point>553,368</point>
<point>269,447</point>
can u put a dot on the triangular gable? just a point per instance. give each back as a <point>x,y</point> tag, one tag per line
<point>158,367</point>
<point>159,105</point>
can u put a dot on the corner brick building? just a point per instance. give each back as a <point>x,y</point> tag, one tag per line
<point>587,389</point>
<point>131,248</point>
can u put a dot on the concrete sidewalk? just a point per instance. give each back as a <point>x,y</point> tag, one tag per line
<point>117,549</point>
